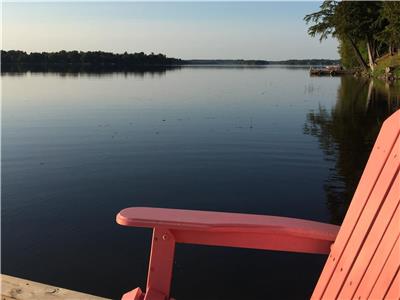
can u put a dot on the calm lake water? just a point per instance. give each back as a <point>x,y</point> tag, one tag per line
<point>77,148</point>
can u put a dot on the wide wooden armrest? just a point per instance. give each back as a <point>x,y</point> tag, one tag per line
<point>234,229</point>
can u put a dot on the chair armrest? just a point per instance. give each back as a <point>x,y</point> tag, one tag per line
<point>234,230</point>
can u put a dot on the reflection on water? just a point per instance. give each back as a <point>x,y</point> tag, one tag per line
<point>79,148</point>
<point>82,70</point>
<point>347,132</point>
<point>93,70</point>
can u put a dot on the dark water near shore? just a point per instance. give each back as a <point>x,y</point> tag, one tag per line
<point>78,147</point>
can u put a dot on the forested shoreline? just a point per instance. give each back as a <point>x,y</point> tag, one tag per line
<point>89,58</point>
<point>17,60</point>
<point>368,33</point>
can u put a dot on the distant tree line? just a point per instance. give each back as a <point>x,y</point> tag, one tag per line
<point>89,58</point>
<point>226,62</point>
<point>366,30</point>
<point>252,62</point>
<point>307,62</point>
<point>99,60</point>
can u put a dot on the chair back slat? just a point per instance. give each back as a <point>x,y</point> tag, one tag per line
<point>375,267</point>
<point>394,290</point>
<point>367,219</point>
<point>376,246</point>
<point>386,276</point>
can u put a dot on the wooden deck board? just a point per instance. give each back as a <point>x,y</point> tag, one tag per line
<point>13,288</point>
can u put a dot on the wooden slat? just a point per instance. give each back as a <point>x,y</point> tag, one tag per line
<point>394,290</point>
<point>379,155</point>
<point>251,240</point>
<point>235,230</point>
<point>387,274</point>
<point>364,224</point>
<point>379,259</point>
<point>386,215</point>
<point>212,221</point>
<point>22,289</point>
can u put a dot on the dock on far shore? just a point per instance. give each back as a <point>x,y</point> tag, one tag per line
<point>334,70</point>
<point>13,288</point>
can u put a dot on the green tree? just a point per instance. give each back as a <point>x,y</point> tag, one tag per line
<point>390,20</point>
<point>353,22</point>
<point>358,20</point>
<point>328,22</point>
<point>347,57</point>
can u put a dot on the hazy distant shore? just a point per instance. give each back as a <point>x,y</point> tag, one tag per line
<point>260,62</point>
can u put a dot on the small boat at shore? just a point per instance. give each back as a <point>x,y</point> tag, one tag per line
<point>333,70</point>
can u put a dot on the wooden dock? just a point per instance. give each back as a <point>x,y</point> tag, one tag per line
<point>328,72</point>
<point>13,288</point>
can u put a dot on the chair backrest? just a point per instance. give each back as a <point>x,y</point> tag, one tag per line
<point>364,261</point>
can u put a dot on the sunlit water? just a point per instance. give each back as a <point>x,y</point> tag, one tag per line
<point>77,148</point>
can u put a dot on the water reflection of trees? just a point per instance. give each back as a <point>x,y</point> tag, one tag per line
<point>86,70</point>
<point>346,134</point>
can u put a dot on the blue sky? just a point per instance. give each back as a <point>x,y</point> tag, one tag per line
<point>248,30</point>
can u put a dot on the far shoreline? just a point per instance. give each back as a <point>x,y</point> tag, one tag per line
<point>99,60</point>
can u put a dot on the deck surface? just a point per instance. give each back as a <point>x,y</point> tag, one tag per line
<point>13,288</point>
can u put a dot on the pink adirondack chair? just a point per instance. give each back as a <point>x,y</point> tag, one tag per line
<point>364,252</point>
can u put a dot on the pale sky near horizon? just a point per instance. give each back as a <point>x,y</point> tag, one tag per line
<point>231,30</point>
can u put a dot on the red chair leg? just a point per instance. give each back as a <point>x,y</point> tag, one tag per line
<point>161,264</point>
